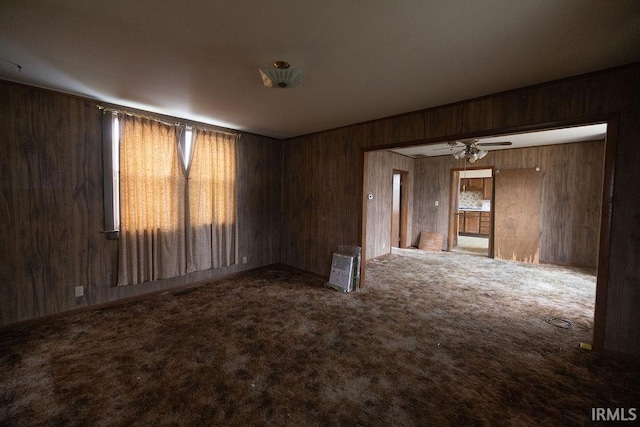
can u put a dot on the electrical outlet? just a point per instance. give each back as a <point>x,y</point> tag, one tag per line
<point>384,246</point>
<point>244,259</point>
<point>437,203</point>
<point>79,291</point>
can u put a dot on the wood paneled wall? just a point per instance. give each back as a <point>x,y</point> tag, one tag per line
<point>318,197</point>
<point>51,207</point>
<point>571,196</point>
<point>310,236</point>
<point>380,168</point>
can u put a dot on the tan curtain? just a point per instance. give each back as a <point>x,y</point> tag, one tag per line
<point>211,217</point>
<point>152,202</point>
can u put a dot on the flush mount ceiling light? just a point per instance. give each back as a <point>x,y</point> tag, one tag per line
<point>281,76</point>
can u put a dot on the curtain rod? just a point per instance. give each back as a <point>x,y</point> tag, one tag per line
<point>159,120</point>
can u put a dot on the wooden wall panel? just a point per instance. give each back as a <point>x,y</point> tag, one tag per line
<point>52,214</point>
<point>387,129</point>
<point>432,183</point>
<point>318,195</point>
<point>8,190</point>
<point>512,109</point>
<point>572,203</point>
<point>411,127</point>
<point>380,167</point>
<point>259,199</point>
<point>579,100</point>
<point>516,213</point>
<point>477,115</point>
<point>623,296</point>
<point>55,203</point>
<point>447,120</point>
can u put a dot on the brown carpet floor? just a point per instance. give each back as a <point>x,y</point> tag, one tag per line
<point>433,339</point>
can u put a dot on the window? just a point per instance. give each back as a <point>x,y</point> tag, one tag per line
<point>170,195</point>
<point>111,175</point>
<point>187,141</point>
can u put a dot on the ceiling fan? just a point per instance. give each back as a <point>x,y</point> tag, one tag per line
<point>471,149</point>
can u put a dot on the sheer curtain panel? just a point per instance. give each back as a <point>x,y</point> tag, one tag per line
<point>152,202</point>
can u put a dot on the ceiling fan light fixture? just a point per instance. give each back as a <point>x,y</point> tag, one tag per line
<point>470,152</point>
<point>460,154</point>
<point>281,76</point>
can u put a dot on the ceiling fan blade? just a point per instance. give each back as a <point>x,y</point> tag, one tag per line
<point>494,144</point>
<point>444,148</point>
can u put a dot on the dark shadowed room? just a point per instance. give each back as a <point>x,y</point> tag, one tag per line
<point>319,213</point>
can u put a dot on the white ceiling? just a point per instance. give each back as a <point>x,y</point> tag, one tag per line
<point>362,60</point>
<point>595,132</point>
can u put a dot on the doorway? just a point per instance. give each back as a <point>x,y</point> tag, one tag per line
<point>471,212</point>
<point>398,238</point>
<point>435,183</point>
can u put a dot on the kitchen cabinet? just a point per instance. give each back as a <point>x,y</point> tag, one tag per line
<point>469,222</point>
<point>471,184</point>
<point>486,188</point>
<point>485,223</point>
<point>483,185</point>
<point>474,223</point>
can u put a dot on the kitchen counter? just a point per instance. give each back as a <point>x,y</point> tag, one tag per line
<point>474,210</point>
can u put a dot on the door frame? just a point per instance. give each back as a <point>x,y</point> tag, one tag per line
<point>454,220</point>
<point>404,207</point>
<point>452,233</point>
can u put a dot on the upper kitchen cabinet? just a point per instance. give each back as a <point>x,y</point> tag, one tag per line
<point>483,185</point>
<point>487,188</point>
